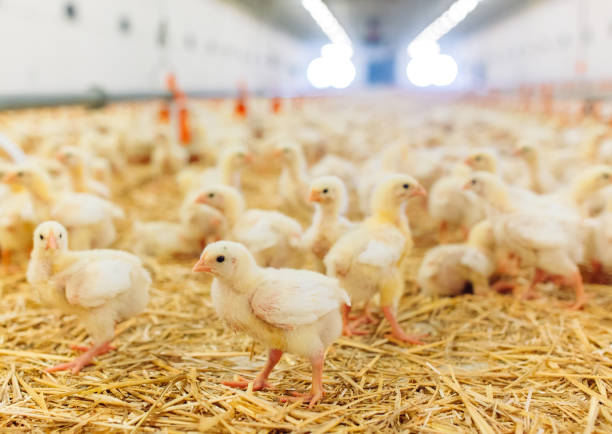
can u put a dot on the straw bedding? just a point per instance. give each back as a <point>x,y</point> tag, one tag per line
<point>491,364</point>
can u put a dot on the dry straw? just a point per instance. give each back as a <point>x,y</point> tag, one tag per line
<point>491,364</point>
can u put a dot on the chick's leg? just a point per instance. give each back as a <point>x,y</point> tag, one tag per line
<point>365,317</point>
<point>84,359</point>
<point>581,296</point>
<point>348,328</point>
<point>396,330</point>
<point>316,392</point>
<point>261,381</point>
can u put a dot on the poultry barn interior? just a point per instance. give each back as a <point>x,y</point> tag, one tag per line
<point>306,216</point>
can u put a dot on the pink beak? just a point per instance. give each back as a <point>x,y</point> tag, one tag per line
<point>469,161</point>
<point>249,158</point>
<point>466,186</point>
<point>517,152</point>
<point>314,196</point>
<point>9,177</point>
<point>201,199</point>
<point>51,241</point>
<point>420,192</point>
<point>61,157</point>
<point>201,266</point>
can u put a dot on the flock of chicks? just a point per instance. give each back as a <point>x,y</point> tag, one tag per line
<point>525,199</point>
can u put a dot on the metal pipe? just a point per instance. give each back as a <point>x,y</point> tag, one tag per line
<point>97,97</point>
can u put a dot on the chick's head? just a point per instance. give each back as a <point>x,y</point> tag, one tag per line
<point>226,260</point>
<point>484,184</point>
<point>481,161</point>
<point>327,190</point>
<point>50,237</point>
<point>70,156</point>
<point>30,178</point>
<point>592,179</point>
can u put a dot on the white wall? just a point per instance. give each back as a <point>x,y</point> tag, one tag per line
<point>548,42</point>
<point>41,50</point>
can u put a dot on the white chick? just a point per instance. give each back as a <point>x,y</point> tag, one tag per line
<point>199,225</point>
<point>332,165</point>
<point>100,287</point>
<point>295,311</point>
<point>272,237</point>
<point>328,224</point>
<point>542,180</point>
<point>371,257</point>
<point>76,161</point>
<point>168,156</point>
<point>452,207</point>
<point>293,182</point>
<point>89,219</point>
<point>446,270</point>
<point>226,172</point>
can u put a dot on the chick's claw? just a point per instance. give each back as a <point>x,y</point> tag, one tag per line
<point>243,383</point>
<point>311,398</point>
<point>411,339</point>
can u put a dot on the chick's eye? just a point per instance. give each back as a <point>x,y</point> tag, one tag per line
<point>211,195</point>
<point>478,158</point>
<point>41,237</point>
<point>406,186</point>
<point>20,174</point>
<point>606,175</point>
<point>60,235</point>
<point>473,182</point>
<point>325,190</point>
<point>220,258</point>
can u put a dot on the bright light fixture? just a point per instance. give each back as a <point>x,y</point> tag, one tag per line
<point>317,73</point>
<point>448,20</point>
<point>437,70</point>
<point>328,23</point>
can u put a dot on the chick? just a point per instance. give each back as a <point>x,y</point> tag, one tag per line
<point>293,182</point>
<point>76,161</point>
<point>17,218</point>
<point>371,257</point>
<point>542,180</point>
<point>100,287</point>
<point>328,224</point>
<point>293,311</point>
<point>199,224</point>
<point>168,156</point>
<point>446,270</point>
<point>89,219</point>
<point>226,172</point>
<point>272,237</point>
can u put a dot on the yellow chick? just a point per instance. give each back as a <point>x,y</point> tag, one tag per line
<point>370,258</point>
<point>328,224</point>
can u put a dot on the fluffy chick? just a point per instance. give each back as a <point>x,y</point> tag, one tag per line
<point>293,311</point>
<point>272,237</point>
<point>77,162</point>
<point>371,258</point>
<point>100,287</point>
<point>328,224</point>
<point>293,182</point>
<point>198,225</point>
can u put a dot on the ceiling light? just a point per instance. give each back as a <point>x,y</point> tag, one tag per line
<point>328,22</point>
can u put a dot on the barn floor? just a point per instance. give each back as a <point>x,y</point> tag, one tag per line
<point>491,364</point>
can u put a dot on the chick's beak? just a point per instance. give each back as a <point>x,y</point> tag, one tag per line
<point>201,266</point>
<point>466,186</point>
<point>201,199</point>
<point>517,152</point>
<point>248,158</point>
<point>9,178</point>
<point>51,241</point>
<point>277,153</point>
<point>61,157</point>
<point>420,191</point>
<point>469,161</point>
<point>314,196</point>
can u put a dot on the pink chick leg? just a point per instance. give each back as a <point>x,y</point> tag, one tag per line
<point>83,360</point>
<point>581,296</point>
<point>396,330</point>
<point>316,391</point>
<point>347,328</point>
<point>365,317</point>
<point>261,381</point>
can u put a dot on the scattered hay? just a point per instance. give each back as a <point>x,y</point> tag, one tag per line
<point>490,364</point>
